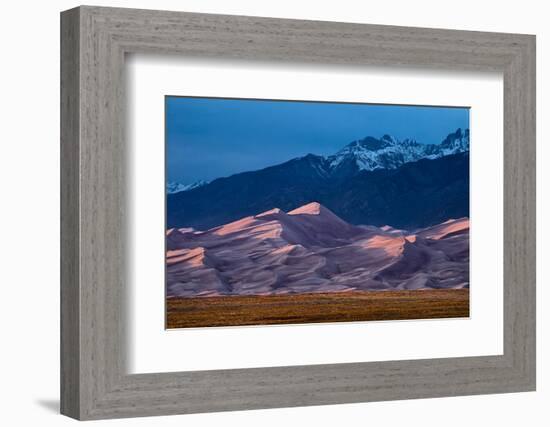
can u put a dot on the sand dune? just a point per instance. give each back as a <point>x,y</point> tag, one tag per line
<point>310,249</point>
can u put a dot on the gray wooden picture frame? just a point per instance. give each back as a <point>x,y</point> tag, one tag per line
<point>94,381</point>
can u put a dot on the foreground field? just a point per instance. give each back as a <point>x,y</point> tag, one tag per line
<point>316,308</point>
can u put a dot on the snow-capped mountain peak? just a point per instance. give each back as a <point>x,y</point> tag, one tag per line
<point>176,187</point>
<point>389,139</point>
<point>388,152</point>
<point>457,142</point>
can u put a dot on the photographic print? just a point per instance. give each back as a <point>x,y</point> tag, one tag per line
<point>282,212</point>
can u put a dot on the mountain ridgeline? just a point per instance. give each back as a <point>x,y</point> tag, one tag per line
<point>373,181</point>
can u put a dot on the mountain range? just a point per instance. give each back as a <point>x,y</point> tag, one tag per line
<point>310,249</point>
<point>389,153</point>
<point>374,181</point>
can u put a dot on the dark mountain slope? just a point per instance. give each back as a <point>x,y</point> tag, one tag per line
<point>414,195</point>
<point>286,186</point>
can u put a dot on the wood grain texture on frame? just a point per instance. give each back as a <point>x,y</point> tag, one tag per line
<point>94,380</point>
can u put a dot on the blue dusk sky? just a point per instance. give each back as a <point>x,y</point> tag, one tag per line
<point>208,138</point>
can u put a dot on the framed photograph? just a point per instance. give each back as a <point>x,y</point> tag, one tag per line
<point>262,213</point>
<point>292,225</point>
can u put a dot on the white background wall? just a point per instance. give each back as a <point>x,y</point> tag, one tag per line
<point>29,236</point>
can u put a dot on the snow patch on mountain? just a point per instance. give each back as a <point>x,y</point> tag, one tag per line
<point>176,187</point>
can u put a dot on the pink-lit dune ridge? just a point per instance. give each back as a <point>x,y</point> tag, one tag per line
<point>310,249</point>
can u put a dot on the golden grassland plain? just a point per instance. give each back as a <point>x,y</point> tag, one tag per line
<point>316,308</point>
